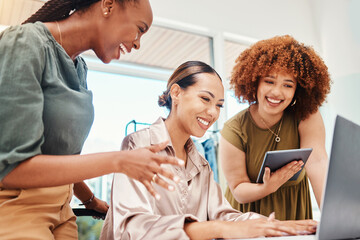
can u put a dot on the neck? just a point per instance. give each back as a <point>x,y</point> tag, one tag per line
<point>178,137</point>
<point>73,33</point>
<point>269,119</point>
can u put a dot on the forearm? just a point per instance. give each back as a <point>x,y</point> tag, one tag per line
<point>204,230</point>
<point>49,171</point>
<point>312,135</point>
<point>249,192</point>
<point>82,191</point>
<point>317,173</point>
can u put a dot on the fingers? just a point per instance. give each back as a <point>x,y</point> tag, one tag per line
<point>161,159</point>
<point>283,228</point>
<point>306,226</point>
<point>289,170</point>
<point>151,189</point>
<point>275,228</point>
<point>169,160</point>
<point>303,227</point>
<point>159,181</point>
<point>154,169</point>
<point>271,217</point>
<point>266,176</point>
<point>275,233</point>
<point>295,166</point>
<point>168,175</point>
<point>158,147</point>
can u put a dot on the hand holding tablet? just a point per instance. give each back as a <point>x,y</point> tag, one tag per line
<point>277,159</point>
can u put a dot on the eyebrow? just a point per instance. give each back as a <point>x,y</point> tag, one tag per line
<point>287,80</point>
<point>212,95</point>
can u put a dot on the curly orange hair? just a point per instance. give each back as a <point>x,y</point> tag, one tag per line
<point>286,54</point>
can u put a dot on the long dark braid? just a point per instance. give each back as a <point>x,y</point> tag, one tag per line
<point>54,10</point>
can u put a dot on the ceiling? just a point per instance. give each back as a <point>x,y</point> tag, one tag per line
<point>161,47</point>
<point>13,12</point>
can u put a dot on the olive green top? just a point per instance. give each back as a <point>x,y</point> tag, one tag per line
<point>292,200</point>
<point>45,106</point>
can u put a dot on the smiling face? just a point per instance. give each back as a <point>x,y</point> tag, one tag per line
<point>124,25</point>
<point>275,92</point>
<point>198,106</point>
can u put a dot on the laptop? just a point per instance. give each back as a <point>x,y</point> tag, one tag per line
<point>340,208</point>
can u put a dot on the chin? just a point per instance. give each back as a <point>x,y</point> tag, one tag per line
<point>198,134</point>
<point>103,58</point>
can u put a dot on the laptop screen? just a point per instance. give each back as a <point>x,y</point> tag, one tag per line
<point>340,210</point>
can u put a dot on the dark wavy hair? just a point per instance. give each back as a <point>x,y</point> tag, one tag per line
<point>184,76</point>
<point>286,54</point>
<point>55,10</point>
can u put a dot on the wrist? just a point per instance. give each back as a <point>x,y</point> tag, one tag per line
<point>118,161</point>
<point>267,189</point>
<point>87,202</point>
<point>217,229</point>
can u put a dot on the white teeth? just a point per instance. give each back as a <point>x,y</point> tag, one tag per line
<point>203,121</point>
<point>123,48</point>
<point>273,100</point>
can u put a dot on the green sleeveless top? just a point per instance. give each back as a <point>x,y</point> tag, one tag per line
<point>292,200</point>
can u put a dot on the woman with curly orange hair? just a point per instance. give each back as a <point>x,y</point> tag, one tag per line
<point>284,82</point>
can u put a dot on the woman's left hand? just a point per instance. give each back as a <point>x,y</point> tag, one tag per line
<point>98,205</point>
<point>303,227</point>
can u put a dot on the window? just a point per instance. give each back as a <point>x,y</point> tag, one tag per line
<point>117,99</point>
<point>232,52</point>
<point>166,48</point>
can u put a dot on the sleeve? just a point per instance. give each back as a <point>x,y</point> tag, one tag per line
<point>220,209</point>
<point>233,132</point>
<point>131,214</point>
<point>21,98</point>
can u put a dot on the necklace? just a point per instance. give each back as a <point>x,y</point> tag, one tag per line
<point>277,138</point>
<point>58,27</point>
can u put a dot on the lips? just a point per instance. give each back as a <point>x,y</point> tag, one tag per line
<point>273,100</point>
<point>203,123</point>
<point>123,49</point>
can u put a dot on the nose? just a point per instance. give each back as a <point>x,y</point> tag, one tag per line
<point>137,43</point>
<point>213,112</point>
<point>276,90</point>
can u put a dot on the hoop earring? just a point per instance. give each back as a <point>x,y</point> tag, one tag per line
<point>254,96</point>
<point>293,103</point>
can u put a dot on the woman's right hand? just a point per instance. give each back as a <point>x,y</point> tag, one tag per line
<point>143,164</point>
<point>275,180</point>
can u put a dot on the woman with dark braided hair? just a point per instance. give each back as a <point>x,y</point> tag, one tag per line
<point>284,82</point>
<point>46,113</point>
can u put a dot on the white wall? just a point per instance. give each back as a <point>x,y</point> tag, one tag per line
<point>2,27</point>
<point>338,25</point>
<point>258,19</point>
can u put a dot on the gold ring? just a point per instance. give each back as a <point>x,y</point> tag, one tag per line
<point>154,177</point>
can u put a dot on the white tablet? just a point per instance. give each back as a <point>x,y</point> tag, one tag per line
<point>277,159</point>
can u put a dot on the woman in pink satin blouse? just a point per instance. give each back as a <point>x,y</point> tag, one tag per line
<point>195,208</point>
